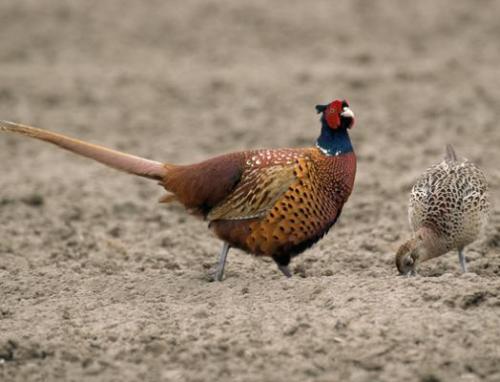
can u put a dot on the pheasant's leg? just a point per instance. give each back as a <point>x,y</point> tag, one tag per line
<point>461,258</point>
<point>222,262</point>
<point>285,270</point>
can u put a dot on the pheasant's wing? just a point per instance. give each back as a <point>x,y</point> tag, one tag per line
<point>262,183</point>
<point>256,193</point>
<point>240,185</point>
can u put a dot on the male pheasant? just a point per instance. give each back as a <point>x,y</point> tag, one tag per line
<point>448,209</point>
<point>275,202</point>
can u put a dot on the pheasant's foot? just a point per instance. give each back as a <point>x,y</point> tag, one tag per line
<point>285,270</point>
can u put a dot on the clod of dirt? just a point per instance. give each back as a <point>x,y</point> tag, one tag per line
<point>473,300</point>
<point>33,200</point>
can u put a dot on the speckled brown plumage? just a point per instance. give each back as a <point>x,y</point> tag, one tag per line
<point>275,202</point>
<point>448,209</point>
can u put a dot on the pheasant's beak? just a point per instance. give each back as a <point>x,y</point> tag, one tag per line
<point>347,117</point>
<point>411,273</point>
<point>347,113</point>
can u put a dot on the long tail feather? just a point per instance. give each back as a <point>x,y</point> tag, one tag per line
<point>116,159</point>
<point>450,155</point>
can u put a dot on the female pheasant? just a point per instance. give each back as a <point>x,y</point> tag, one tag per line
<point>448,209</point>
<point>275,202</point>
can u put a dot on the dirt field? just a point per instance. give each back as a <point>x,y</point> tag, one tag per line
<point>98,282</point>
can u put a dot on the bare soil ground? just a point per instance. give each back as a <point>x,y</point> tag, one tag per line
<point>98,282</point>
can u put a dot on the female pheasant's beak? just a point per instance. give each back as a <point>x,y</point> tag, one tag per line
<point>407,266</point>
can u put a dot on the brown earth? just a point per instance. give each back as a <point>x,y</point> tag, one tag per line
<point>98,282</point>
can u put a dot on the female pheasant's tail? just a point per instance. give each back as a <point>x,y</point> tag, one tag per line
<point>112,158</point>
<point>450,155</point>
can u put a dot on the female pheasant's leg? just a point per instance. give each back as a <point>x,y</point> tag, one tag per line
<point>222,261</point>
<point>461,258</point>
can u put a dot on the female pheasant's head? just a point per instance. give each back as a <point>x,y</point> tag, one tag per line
<point>337,114</point>
<point>412,253</point>
<point>424,246</point>
<point>407,257</point>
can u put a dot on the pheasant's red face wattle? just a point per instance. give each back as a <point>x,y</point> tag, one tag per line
<point>332,114</point>
<point>338,114</point>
